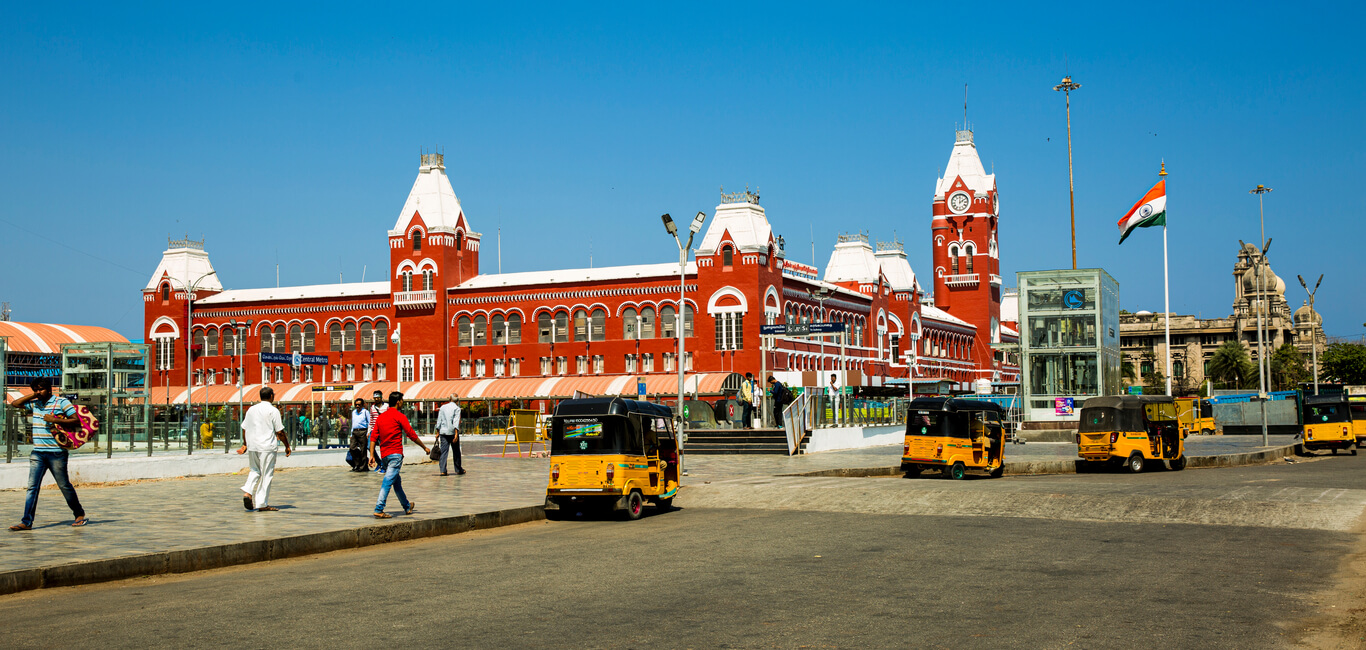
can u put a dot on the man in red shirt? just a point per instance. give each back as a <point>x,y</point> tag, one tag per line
<point>388,433</point>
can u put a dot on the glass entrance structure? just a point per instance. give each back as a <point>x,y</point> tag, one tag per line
<point>111,380</point>
<point>1069,340</point>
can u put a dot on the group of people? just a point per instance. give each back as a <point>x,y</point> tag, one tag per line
<point>751,397</point>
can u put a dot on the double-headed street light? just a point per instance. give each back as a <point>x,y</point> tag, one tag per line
<point>680,315</point>
<point>1066,88</point>
<point>1313,315</point>
<point>1263,364</point>
<point>190,290</point>
<point>237,330</point>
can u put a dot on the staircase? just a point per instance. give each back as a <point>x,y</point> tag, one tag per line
<point>737,441</point>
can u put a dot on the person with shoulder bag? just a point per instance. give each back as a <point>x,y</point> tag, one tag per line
<point>48,410</point>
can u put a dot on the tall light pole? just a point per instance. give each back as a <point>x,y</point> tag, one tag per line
<point>1313,315</point>
<point>1067,86</point>
<point>680,315</point>
<point>1262,365</point>
<point>237,330</point>
<point>190,290</point>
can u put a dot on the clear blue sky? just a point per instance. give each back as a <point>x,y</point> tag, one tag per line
<point>270,128</point>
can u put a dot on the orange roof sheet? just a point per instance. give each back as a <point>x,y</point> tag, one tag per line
<point>46,338</point>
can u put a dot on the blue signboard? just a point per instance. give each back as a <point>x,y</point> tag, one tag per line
<point>772,330</point>
<point>828,328</point>
<point>304,359</point>
<point>640,388</point>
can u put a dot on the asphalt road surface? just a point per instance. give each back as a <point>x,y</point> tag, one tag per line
<point>1235,558</point>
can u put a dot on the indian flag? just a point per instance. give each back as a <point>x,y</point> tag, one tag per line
<point>1151,210</point>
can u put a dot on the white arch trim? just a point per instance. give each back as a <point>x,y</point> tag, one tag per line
<point>742,308</point>
<point>405,265</point>
<point>173,334</point>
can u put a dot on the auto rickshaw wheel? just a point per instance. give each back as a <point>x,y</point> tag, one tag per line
<point>1178,463</point>
<point>665,504</point>
<point>957,471</point>
<point>1135,463</point>
<point>913,471</point>
<point>635,505</point>
<point>999,471</point>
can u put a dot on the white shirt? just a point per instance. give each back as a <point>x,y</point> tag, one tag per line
<point>448,418</point>
<point>260,425</point>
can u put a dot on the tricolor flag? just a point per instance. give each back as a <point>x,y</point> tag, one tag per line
<point>1151,210</point>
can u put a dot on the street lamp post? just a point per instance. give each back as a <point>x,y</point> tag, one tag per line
<point>190,290</point>
<point>1067,86</point>
<point>1313,315</point>
<point>680,315</point>
<point>820,295</point>
<point>1263,365</point>
<point>237,330</point>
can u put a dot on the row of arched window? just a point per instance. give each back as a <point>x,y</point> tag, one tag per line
<point>343,337</point>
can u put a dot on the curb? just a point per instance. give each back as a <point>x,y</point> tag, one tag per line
<point>214,557</point>
<point>1042,467</point>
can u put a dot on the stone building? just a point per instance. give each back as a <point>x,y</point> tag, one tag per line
<point>1194,339</point>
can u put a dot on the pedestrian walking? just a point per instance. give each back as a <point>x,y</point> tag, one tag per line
<point>47,455</point>
<point>781,398</point>
<point>261,428</point>
<point>832,393</point>
<point>305,426</point>
<point>322,428</point>
<point>390,430</point>
<point>377,407</point>
<point>360,432</point>
<point>448,434</point>
<point>747,400</point>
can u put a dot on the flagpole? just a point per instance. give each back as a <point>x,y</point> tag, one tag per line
<point>1166,292</point>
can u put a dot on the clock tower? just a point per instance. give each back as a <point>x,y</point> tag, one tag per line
<point>967,280</point>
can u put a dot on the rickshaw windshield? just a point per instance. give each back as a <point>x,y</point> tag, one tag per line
<point>592,435</point>
<point>1160,412</point>
<point>1327,413</point>
<point>937,423</point>
<point>1099,419</point>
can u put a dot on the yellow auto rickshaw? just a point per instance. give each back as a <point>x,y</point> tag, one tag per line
<point>953,435</point>
<point>1328,423</point>
<point>1357,404</point>
<point>611,453</point>
<point>1196,415</point>
<point>1131,430</point>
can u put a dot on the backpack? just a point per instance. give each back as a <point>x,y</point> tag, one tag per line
<point>780,393</point>
<point>72,436</point>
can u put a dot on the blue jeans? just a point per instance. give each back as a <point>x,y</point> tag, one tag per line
<point>392,464</point>
<point>39,463</point>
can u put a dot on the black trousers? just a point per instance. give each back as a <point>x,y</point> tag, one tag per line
<point>450,447</point>
<point>359,441</point>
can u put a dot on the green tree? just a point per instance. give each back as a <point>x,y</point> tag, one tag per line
<point>1230,367</point>
<point>1155,382</point>
<point>1344,362</point>
<point>1127,372</point>
<point>1287,368</point>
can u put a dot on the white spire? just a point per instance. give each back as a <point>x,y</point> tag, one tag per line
<point>432,196</point>
<point>965,163</point>
<point>185,261</point>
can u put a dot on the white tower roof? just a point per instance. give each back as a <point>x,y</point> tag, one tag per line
<point>892,257</point>
<point>852,261</point>
<point>432,196</point>
<point>741,215</point>
<point>185,262</point>
<point>965,163</point>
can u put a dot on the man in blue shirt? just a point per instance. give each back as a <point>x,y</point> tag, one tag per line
<point>47,455</point>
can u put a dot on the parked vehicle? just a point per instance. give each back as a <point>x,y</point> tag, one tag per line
<point>1196,415</point>
<point>611,453</point>
<point>953,435</point>
<point>1131,430</point>
<point>1328,423</point>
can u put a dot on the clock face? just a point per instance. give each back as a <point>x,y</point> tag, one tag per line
<point>959,202</point>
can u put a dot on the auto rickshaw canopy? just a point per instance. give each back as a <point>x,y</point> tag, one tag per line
<point>945,416</point>
<point>608,425</point>
<point>1125,412</point>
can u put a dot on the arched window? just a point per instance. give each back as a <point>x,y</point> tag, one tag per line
<point>428,280</point>
<point>296,338</point>
<point>367,336</point>
<point>463,330</point>
<point>211,344</point>
<point>165,291</point>
<point>230,342</point>
<point>727,256</point>
<point>514,328</point>
<point>417,240</point>
<point>381,335</point>
<point>350,333</point>
<point>969,251</point>
<point>629,324</point>
<point>481,334</point>
<point>407,280</point>
<point>310,332</point>
<point>281,344</point>
<point>953,258</point>
<point>496,332</point>
<point>580,325</point>
<point>263,337</point>
<point>597,328</point>
<point>687,320</point>
<point>460,241</point>
<point>546,327</point>
<point>198,341</point>
<point>666,322</point>
<point>562,327</point>
<point>647,322</point>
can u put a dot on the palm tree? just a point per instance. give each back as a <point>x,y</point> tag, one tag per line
<point>1231,367</point>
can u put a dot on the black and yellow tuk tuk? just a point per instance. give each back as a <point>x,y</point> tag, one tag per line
<point>1328,423</point>
<point>1131,430</point>
<point>953,435</point>
<point>611,453</point>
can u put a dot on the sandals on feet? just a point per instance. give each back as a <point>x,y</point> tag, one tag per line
<point>20,527</point>
<point>383,515</point>
<point>80,522</point>
<point>411,507</point>
<point>267,509</point>
<point>247,503</point>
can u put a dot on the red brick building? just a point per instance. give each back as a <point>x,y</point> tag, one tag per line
<point>613,324</point>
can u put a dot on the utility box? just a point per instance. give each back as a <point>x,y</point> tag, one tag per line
<point>1069,341</point>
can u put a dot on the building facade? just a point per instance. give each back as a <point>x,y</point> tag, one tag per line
<point>437,317</point>
<point>1194,340</point>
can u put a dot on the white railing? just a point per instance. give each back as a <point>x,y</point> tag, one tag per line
<point>995,280</point>
<point>961,280</point>
<point>406,298</point>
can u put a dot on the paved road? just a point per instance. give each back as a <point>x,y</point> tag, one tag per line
<point>790,561</point>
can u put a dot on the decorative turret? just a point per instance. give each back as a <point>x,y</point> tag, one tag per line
<point>965,206</point>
